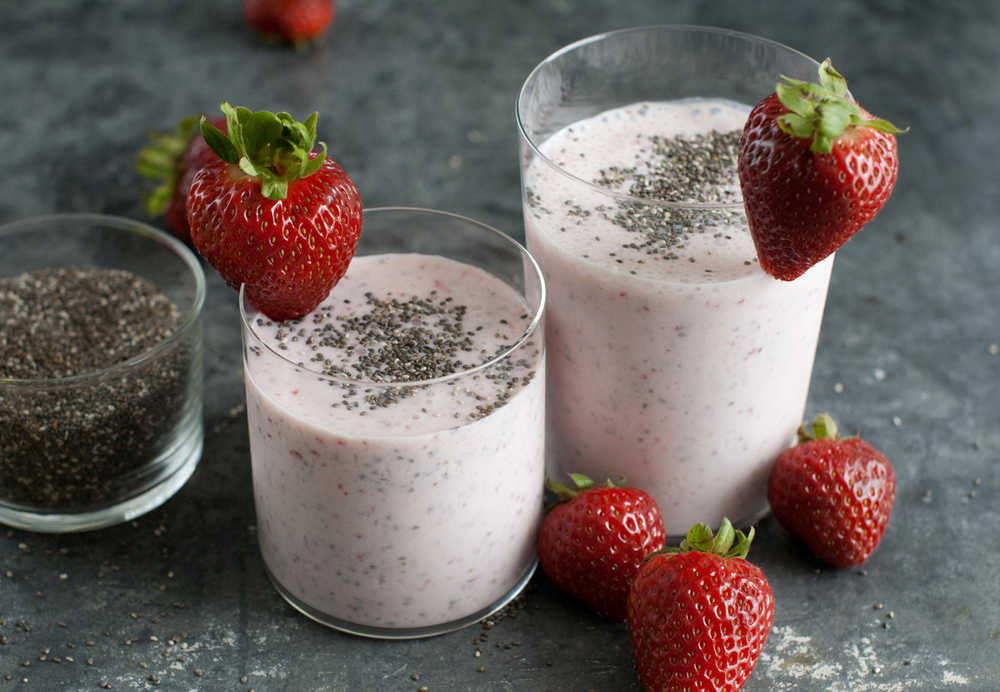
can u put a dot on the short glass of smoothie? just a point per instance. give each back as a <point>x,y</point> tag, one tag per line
<point>397,431</point>
<point>100,370</point>
<point>674,360</point>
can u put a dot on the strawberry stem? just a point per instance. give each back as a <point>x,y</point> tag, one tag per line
<point>272,147</point>
<point>581,483</point>
<point>565,492</point>
<point>822,112</point>
<point>822,428</point>
<point>727,543</point>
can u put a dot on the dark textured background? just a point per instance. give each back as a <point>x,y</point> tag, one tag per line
<point>416,102</point>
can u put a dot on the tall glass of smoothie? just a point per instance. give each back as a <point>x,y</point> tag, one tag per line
<point>673,359</point>
<point>397,431</point>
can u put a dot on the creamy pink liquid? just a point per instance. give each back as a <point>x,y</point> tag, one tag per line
<point>687,374</point>
<point>417,512</point>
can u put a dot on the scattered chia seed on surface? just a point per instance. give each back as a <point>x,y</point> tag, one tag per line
<point>67,446</point>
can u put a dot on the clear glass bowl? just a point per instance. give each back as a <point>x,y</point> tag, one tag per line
<point>105,445</point>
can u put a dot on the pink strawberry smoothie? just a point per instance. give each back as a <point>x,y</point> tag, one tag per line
<point>672,357</point>
<point>393,507</point>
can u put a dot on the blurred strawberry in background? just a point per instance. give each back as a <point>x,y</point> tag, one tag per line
<point>290,21</point>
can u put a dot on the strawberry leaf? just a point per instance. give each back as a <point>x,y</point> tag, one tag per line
<point>699,537</point>
<point>311,126</point>
<point>312,165</point>
<point>260,130</point>
<point>742,546</point>
<point>834,118</point>
<point>831,80</point>
<point>883,126</point>
<point>796,125</point>
<point>795,99</point>
<point>222,145</point>
<point>724,538</point>
<point>246,165</point>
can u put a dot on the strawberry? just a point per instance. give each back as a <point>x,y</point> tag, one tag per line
<point>273,214</point>
<point>835,494</point>
<point>699,615</point>
<point>290,21</point>
<point>174,158</point>
<point>814,167</point>
<point>591,545</point>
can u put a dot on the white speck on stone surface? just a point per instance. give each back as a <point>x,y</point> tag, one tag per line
<point>790,658</point>
<point>839,387</point>
<point>994,349</point>
<point>950,678</point>
<point>879,374</point>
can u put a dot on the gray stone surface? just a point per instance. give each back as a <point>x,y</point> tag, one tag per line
<point>416,102</point>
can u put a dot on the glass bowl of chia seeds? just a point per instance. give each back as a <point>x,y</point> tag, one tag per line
<point>100,370</point>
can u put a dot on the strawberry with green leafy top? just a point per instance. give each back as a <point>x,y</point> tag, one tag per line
<point>814,167</point>
<point>272,213</point>
<point>174,158</point>
<point>591,545</point>
<point>833,493</point>
<point>699,614</point>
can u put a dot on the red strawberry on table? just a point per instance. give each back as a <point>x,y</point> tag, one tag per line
<point>835,494</point>
<point>699,614</point>
<point>814,168</point>
<point>174,158</point>
<point>290,21</point>
<point>592,544</point>
<point>272,213</point>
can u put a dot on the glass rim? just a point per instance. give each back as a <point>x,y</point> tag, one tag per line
<point>529,330</point>
<point>597,38</point>
<point>118,223</point>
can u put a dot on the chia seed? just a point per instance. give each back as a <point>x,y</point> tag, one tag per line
<point>392,340</point>
<point>70,445</point>
<point>698,169</point>
<point>692,170</point>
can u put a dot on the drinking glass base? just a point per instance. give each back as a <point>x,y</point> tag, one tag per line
<point>402,632</point>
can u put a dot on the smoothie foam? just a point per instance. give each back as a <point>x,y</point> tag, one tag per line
<point>396,506</point>
<point>672,357</point>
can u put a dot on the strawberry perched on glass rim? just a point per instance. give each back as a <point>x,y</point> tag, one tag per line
<point>592,543</point>
<point>814,167</point>
<point>272,213</point>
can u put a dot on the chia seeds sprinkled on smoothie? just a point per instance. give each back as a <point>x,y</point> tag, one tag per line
<point>392,340</point>
<point>67,446</point>
<point>697,169</point>
<point>682,188</point>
